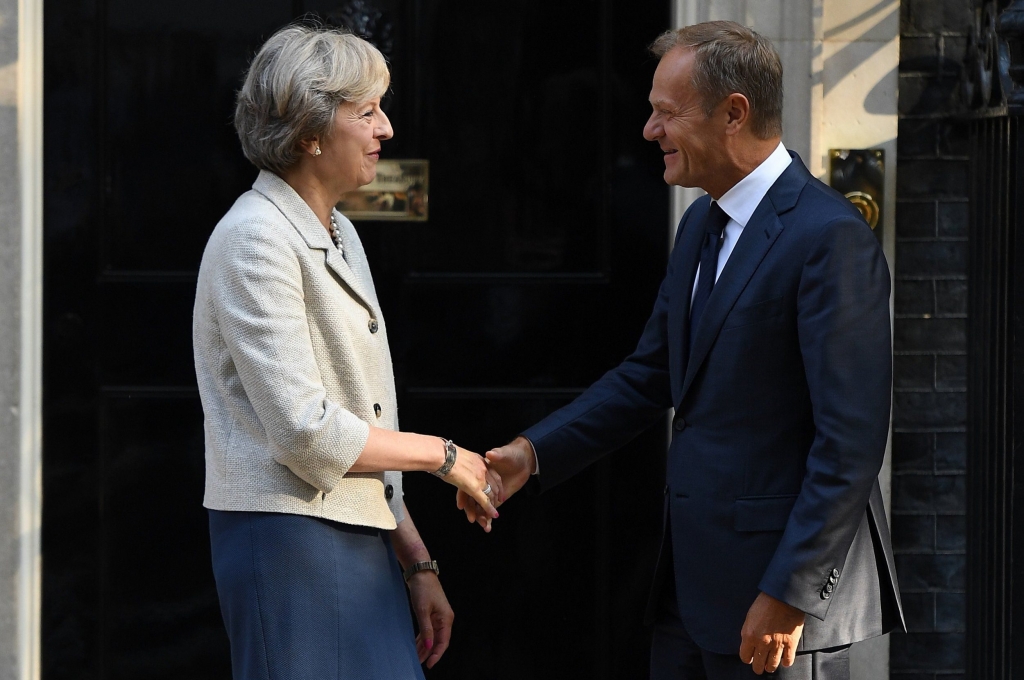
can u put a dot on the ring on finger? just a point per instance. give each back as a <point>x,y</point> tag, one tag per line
<point>487,490</point>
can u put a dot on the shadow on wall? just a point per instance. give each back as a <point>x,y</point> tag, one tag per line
<point>8,60</point>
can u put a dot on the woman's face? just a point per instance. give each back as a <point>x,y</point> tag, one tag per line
<point>351,151</point>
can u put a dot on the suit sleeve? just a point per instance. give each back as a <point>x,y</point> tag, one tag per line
<point>261,313</point>
<point>620,405</point>
<point>845,339</point>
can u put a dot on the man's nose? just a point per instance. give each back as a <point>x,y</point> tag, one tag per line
<point>652,130</point>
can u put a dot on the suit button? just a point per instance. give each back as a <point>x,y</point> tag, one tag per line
<point>832,580</point>
<point>825,595</point>
<point>835,572</point>
<point>389,492</point>
<point>373,325</point>
<point>679,425</point>
<point>376,410</point>
<point>829,588</point>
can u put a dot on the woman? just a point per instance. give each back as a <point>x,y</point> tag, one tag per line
<point>309,532</point>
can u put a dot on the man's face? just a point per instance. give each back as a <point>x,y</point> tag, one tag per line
<point>691,141</point>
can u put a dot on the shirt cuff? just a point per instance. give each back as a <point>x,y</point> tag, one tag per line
<point>536,460</point>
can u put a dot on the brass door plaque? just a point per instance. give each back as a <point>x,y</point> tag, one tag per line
<point>398,193</point>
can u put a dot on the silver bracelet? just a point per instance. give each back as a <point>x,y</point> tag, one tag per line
<point>450,452</point>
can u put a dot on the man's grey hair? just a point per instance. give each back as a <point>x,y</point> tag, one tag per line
<point>730,58</point>
<point>293,88</point>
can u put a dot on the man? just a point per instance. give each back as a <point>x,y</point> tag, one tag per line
<point>771,339</point>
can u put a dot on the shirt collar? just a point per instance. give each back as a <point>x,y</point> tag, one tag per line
<point>740,202</point>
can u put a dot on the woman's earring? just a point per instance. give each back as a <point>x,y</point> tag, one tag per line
<point>316,152</point>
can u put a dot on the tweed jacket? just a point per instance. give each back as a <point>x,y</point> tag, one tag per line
<point>292,358</point>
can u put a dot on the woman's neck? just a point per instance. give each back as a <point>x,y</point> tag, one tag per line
<point>317,196</point>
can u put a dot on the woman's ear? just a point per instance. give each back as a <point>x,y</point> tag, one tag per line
<point>310,146</point>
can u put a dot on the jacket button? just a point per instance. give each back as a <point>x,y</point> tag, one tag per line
<point>389,492</point>
<point>832,580</point>
<point>829,588</point>
<point>835,572</point>
<point>679,425</point>
<point>376,409</point>
<point>373,325</point>
<point>825,595</point>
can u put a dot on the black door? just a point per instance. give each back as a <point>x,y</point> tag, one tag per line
<point>534,274</point>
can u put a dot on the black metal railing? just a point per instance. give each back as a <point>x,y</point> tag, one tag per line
<point>994,363</point>
<point>993,97</point>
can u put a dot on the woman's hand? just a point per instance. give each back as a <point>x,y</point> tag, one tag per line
<point>433,615</point>
<point>429,605</point>
<point>472,475</point>
<point>512,464</point>
<point>469,504</point>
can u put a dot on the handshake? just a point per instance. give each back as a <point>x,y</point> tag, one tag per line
<point>485,482</point>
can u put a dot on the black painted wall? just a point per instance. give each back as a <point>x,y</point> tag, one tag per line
<point>929,440</point>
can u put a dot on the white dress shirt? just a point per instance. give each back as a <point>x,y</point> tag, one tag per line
<point>740,202</point>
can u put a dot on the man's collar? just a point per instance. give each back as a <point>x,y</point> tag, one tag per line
<point>740,202</point>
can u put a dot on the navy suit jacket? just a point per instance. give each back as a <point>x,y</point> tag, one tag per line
<point>781,420</point>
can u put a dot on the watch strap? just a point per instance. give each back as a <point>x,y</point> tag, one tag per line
<point>422,566</point>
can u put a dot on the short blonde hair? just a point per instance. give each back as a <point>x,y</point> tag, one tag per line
<point>293,88</point>
<point>731,58</point>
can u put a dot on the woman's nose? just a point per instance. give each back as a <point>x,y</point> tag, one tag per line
<point>384,130</point>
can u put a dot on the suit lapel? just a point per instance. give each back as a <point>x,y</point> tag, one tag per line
<point>757,238</point>
<point>688,252</point>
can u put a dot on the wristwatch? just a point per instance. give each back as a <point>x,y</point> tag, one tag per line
<point>422,566</point>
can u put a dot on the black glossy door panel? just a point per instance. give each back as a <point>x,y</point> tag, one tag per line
<point>533,276</point>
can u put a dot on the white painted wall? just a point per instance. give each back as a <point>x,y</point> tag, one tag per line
<point>840,62</point>
<point>21,148</point>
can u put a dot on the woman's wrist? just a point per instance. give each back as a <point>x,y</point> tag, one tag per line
<point>416,569</point>
<point>434,454</point>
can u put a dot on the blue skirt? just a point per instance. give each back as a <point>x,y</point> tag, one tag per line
<point>306,598</point>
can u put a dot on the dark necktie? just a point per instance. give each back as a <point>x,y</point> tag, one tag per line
<point>714,226</point>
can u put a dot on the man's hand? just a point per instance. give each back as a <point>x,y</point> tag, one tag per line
<point>433,615</point>
<point>514,463</point>
<point>770,634</point>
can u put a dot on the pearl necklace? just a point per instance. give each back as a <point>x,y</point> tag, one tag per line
<point>335,232</point>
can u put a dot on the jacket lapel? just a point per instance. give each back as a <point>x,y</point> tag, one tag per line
<point>349,266</point>
<point>312,232</point>
<point>687,250</point>
<point>757,238</point>
<point>339,266</point>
